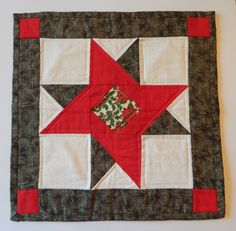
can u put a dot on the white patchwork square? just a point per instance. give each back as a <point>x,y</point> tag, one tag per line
<point>166,161</point>
<point>163,60</point>
<point>64,61</point>
<point>65,161</point>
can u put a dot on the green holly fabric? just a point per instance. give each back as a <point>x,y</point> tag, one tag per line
<point>116,109</point>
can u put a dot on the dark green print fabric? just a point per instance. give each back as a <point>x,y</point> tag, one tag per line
<point>104,199</point>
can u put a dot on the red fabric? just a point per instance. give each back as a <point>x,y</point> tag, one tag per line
<point>27,201</point>
<point>75,118</point>
<point>198,27</point>
<point>204,200</point>
<point>105,71</point>
<point>125,150</point>
<point>29,28</point>
<point>123,146</point>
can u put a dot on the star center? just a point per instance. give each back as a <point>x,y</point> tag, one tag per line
<point>116,109</point>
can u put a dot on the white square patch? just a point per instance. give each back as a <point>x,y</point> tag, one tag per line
<point>166,161</point>
<point>65,161</point>
<point>163,60</point>
<point>64,61</point>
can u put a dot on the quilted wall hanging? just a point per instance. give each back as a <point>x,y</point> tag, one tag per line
<point>115,117</point>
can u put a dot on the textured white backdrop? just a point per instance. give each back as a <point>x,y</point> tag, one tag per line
<point>226,24</point>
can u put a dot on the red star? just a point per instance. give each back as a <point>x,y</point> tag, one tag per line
<point>123,146</point>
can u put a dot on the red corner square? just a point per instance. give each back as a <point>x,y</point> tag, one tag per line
<point>27,201</point>
<point>29,28</point>
<point>204,200</point>
<point>199,27</point>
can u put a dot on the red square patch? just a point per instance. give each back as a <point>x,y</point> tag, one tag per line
<point>199,27</point>
<point>27,201</point>
<point>204,200</point>
<point>29,28</point>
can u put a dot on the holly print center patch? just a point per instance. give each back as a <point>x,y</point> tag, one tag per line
<point>116,109</point>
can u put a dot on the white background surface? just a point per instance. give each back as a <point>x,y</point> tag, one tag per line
<point>226,24</point>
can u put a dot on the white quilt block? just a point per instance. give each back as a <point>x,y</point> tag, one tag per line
<point>64,61</point>
<point>163,60</point>
<point>115,47</point>
<point>179,109</point>
<point>166,161</point>
<point>49,108</point>
<point>65,161</point>
<point>115,178</point>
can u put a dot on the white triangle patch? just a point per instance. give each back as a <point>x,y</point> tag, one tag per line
<point>115,47</point>
<point>115,178</point>
<point>49,108</point>
<point>179,109</point>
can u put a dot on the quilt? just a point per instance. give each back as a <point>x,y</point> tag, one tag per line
<point>115,116</point>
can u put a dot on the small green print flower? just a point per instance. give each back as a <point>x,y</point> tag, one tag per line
<point>116,109</point>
